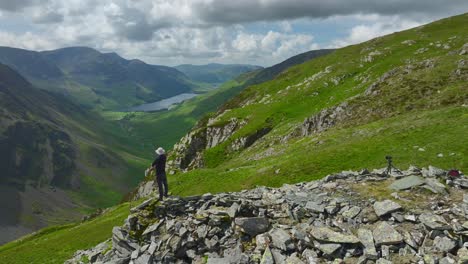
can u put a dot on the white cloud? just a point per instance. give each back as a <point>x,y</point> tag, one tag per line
<point>202,31</point>
<point>379,26</point>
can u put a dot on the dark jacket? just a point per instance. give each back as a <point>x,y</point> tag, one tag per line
<point>160,164</point>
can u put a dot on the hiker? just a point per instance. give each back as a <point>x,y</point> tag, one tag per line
<point>159,165</point>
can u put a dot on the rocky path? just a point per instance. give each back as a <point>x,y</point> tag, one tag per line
<point>417,216</point>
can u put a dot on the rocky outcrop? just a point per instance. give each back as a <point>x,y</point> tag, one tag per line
<point>216,135</point>
<point>188,152</point>
<point>188,148</point>
<point>324,120</point>
<point>333,220</point>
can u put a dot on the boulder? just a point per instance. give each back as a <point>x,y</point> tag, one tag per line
<point>406,183</point>
<point>385,234</point>
<point>325,234</point>
<point>252,225</point>
<point>385,207</point>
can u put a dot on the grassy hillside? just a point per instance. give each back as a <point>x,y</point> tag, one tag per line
<point>212,75</point>
<point>57,244</point>
<point>167,127</point>
<point>60,161</point>
<point>403,95</point>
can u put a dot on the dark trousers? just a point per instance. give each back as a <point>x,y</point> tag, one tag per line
<point>162,185</point>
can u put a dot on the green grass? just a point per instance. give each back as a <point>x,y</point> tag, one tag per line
<point>58,243</point>
<point>353,148</point>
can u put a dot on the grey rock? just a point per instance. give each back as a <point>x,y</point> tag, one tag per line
<point>293,259</point>
<point>327,235</point>
<point>444,244</point>
<point>407,183</point>
<point>278,256</point>
<point>202,231</point>
<point>447,260</point>
<point>142,205</point>
<point>352,212</point>
<point>267,257</point>
<point>462,182</point>
<point>434,222</point>
<point>328,248</point>
<point>215,260</point>
<point>153,227</point>
<point>233,210</point>
<point>280,239</point>
<point>410,218</point>
<point>385,207</point>
<point>367,240</point>
<point>310,256</point>
<point>435,186</point>
<point>385,234</point>
<point>433,172</point>
<point>315,207</point>
<point>383,261</point>
<point>252,225</point>
<point>262,241</point>
<point>462,255</point>
<point>143,259</point>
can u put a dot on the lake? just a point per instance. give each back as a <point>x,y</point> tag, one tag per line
<point>163,104</point>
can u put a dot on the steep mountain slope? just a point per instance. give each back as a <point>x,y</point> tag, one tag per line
<point>56,164</point>
<point>214,74</point>
<point>403,95</point>
<point>95,79</point>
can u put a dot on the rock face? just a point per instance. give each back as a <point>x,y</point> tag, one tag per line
<point>300,223</point>
<point>188,152</point>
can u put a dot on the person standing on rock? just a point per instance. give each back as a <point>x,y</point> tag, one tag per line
<point>159,165</point>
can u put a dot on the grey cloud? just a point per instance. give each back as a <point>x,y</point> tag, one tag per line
<point>242,11</point>
<point>15,5</point>
<point>48,17</point>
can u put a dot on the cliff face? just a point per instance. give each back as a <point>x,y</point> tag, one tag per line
<point>353,217</point>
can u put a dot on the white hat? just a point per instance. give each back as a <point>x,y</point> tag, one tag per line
<point>160,151</point>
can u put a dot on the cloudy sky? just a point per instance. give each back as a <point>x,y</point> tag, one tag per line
<point>172,32</point>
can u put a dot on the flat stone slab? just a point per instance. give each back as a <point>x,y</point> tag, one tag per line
<point>280,238</point>
<point>315,207</point>
<point>385,234</point>
<point>434,222</point>
<point>252,225</point>
<point>367,240</point>
<point>327,235</point>
<point>444,244</point>
<point>329,248</point>
<point>385,207</point>
<point>407,183</point>
<point>352,212</point>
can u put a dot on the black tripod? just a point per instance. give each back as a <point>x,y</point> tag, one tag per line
<point>390,166</point>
